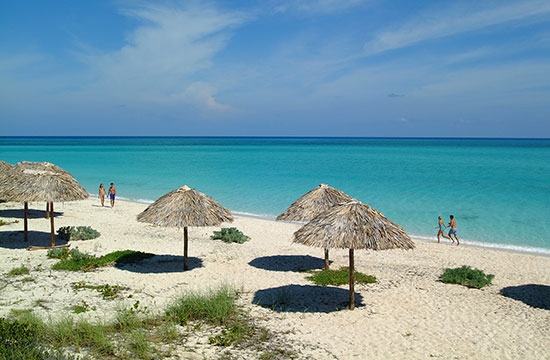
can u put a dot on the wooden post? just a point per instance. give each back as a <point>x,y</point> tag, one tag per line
<point>47,209</point>
<point>185,240</point>
<point>26,226</point>
<point>52,238</point>
<point>351,280</point>
<point>326,259</point>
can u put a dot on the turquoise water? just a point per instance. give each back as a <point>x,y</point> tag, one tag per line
<point>498,189</point>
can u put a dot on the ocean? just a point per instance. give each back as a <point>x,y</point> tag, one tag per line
<point>497,189</point>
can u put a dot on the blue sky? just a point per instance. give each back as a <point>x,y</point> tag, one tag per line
<point>275,68</point>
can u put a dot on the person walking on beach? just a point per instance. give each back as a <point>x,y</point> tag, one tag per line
<point>112,194</point>
<point>102,194</point>
<point>441,231</point>
<point>452,225</point>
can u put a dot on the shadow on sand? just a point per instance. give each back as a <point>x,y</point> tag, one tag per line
<point>534,295</point>
<point>288,263</point>
<point>305,298</point>
<point>15,239</point>
<point>32,214</point>
<point>159,264</point>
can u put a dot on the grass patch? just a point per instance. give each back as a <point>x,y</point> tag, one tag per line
<point>214,307</point>
<point>230,235</point>
<point>74,260</point>
<point>137,334</point>
<point>465,275</point>
<point>338,277</point>
<point>22,270</point>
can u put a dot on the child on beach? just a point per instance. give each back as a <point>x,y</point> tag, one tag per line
<point>441,231</point>
<point>102,194</point>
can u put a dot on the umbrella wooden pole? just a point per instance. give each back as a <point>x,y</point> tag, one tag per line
<point>26,225</point>
<point>326,260</point>
<point>351,280</point>
<point>48,209</point>
<point>185,240</point>
<point>52,238</point>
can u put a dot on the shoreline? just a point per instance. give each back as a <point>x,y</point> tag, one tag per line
<point>408,313</point>
<point>496,246</point>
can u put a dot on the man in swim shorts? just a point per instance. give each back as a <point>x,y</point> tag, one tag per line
<point>452,232</point>
<point>112,194</point>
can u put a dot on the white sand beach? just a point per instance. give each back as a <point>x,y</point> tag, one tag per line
<point>407,314</point>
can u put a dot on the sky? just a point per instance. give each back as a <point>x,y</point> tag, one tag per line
<point>368,68</point>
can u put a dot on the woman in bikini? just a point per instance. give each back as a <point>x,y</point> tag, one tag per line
<point>102,194</point>
<point>441,231</point>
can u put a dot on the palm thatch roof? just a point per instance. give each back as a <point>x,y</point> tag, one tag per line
<point>5,170</point>
<point>40,181</point>
<point>4,167</point>
<point>182,208</point>
<point>353,225</point>
<point>314,202</point>
<point>185,207</point>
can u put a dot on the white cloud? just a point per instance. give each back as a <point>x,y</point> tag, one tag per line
<point>316,6</point>
<point>163,55</point>
<point>457,19</point>
<point>201,94</point>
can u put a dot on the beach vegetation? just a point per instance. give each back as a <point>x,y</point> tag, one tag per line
<point>81,308</point>
<point>230,235</point>
<point>22,270</point>
<point>68,233</point>
<point>108,292</point>
<point>135,333</point>
<point>213,307</point>
<point>465,275</point>
<point>338,277</point>
<point>74,260</point>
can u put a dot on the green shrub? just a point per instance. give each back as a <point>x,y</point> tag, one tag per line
<point>18,341</point>
<point>465,275</point>
<point>230,235</point>
<point>22,270</point>
<point>339,277</point>
<point>74,260</point>
<point>77,233</point>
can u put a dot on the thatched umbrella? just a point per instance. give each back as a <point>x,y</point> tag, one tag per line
<point>353,225</point>
<point>182,208</point>
<point>4,167</point>
<point>313,203</point>
<point>40,181</point>
<point>5,170</point>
